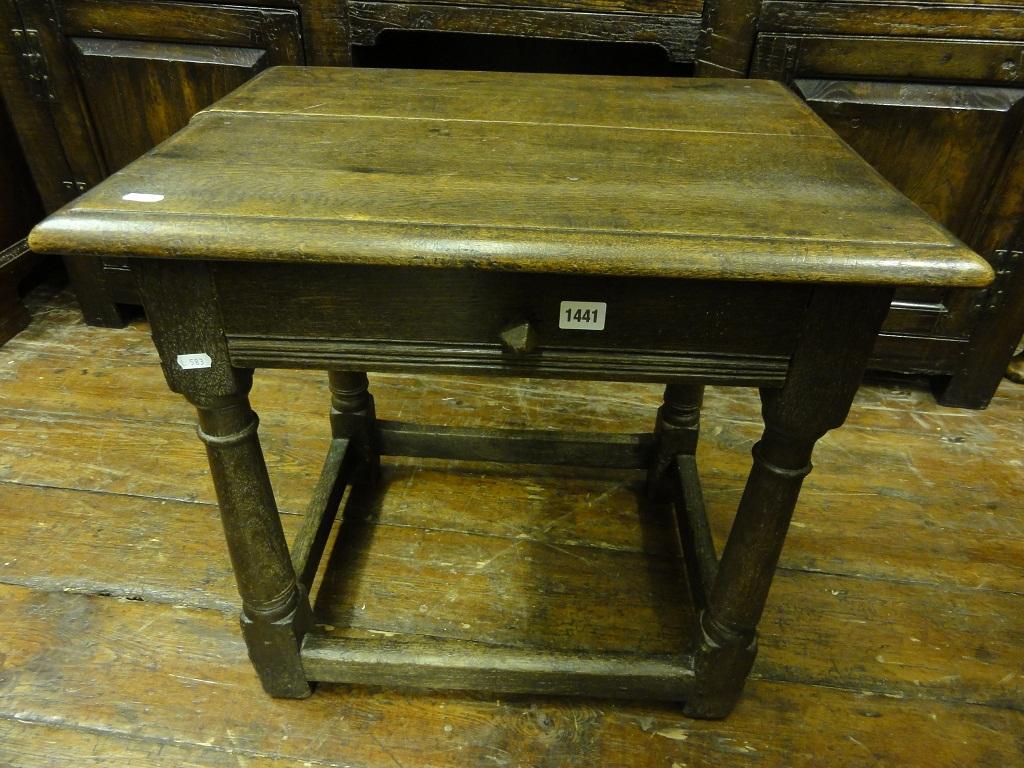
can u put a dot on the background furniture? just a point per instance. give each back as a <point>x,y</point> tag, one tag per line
<point>927,92</point>
<point>19,210</point>
<point>942,117</point>
<point>16,261</point>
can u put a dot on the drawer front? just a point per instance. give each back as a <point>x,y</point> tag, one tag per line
<point>385,318</point>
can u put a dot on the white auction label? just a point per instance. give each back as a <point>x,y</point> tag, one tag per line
<point>194,361</point>
<point>582,315</point>
<point>142,197</point>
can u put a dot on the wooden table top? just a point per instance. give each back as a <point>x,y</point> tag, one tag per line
<point>695,178</point>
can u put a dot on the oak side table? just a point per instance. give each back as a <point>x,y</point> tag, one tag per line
<point>628,229</point>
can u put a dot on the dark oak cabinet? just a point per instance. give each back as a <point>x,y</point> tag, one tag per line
<point>128,75</point>
<point>113,79</point>
<point>942,120</point>
<point>930,93</point>
<point>19,210</point>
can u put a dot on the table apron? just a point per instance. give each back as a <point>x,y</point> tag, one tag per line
<point>450,321</point>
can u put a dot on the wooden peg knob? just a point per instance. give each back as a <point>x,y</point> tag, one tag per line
<point>519,338</point>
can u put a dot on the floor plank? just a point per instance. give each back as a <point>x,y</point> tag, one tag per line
<point>29,745</point>
<point>947,498</point>
<point>507,574</point>
<point>176,674</point>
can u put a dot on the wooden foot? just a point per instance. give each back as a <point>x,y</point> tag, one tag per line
<point>996,330</point>
<point>720,671</point>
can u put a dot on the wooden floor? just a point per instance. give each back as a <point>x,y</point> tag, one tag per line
<point>894,634</point>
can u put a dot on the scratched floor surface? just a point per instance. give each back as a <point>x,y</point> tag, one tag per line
<point>894,634</point>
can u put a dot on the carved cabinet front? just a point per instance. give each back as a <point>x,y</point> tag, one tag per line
<point>113,79</point>
<point>942,120</point>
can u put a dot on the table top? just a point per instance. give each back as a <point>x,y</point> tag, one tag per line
<point>672,177</point>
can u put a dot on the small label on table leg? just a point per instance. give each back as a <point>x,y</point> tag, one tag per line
<point>193,361</point>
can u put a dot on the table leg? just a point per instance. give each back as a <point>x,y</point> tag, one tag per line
<point>352,416</point>
<point>181,304</point>
<point>1015,371</point>
<point>824,374</point>
<point>677,429</point>
<point>275,609</point>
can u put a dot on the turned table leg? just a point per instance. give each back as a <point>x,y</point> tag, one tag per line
<point>824,374</point>
<point>181,306</point>
<point>352,416</point>
<point>275,609</point>
<point>677,429</point>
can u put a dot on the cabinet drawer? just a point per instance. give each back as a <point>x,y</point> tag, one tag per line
<point>892,58</point>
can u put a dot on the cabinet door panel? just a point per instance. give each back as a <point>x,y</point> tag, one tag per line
<point>126,75</point>
<point>129,74</point>
<point>926,124</point>
<point>139,92</point>
<point>940,144</point>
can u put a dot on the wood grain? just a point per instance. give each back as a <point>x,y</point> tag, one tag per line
<point>988,20</point>
<point>198,23</point>
<point>650,102</point>
<point>77,659</point>
<point>898,638</point>
<point>860,56</point>
<point>37,134</point>
<point>675,33</point>
<point>591,186</point>
<point>666,7</point>
<point>728,33</point>
<point>29,744</point>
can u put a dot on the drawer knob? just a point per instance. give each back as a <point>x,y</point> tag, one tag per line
<point>519,338</point>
